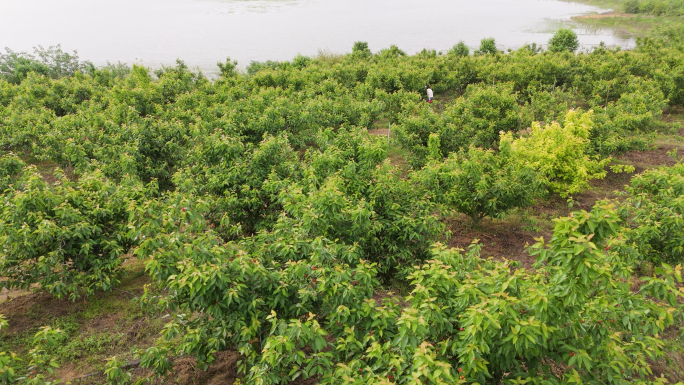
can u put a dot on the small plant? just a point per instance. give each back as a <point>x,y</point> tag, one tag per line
<point>38,363</point>
<point>115,373</point>
<point>673,153</point>
<point>622,168</point>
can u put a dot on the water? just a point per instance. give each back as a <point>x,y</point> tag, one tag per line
<point>203,32</point>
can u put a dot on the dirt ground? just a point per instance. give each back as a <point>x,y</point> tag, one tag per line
<point>509,238</point>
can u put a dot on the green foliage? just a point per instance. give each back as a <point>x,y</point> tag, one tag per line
<point>564,40</point>
<point>487,47</point>
<point>114,373</point>
<point>654,210</point>
<point>68,237</point>
<point>256,66</point>
<point>433,147</point>
<point>655,7</point>
<point>228,69</point>
<point>466,320</point>
<point>51,62</point>
<point>10,169</point>
<point>481,183</point>
<point>278,215</point>
<point>558,153</point>
<point>477,118</point>
<point>624,123</point>
<point>38,364</point>
<point>392,52</point>
<point>361,50</point>
<point>547,106</point>
<point>631,6</point>
<point>459,50</point>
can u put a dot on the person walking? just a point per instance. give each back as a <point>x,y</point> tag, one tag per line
<point>430,95</point>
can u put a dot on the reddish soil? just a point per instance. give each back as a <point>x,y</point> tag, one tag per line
<point>378,131</point>
<point>224,371</point>
<point>654,158</point>
<point>499,239</point>
<point>611,14</point>
<point>509,239</point>
<point>26,311</point>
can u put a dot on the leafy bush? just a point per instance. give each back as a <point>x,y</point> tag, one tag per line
<point>228,69</point>
<point>564,40</point>
<point>392,52</point>
<point>548,106</point>
<point>10,169</point>
<point>12,371</point>
<point>477,118</point>
<point>459,50</point>
<point>559,153</point>
<point>623,124</point>
<point>631,6</point>
<point>654,210</point>
<point>255,66</point>
<point>361,50</point>
<point>481,183</point>
<point>68,237</point>
<point>466,320</point>
<point>51,62</point>
<point>487,47</point>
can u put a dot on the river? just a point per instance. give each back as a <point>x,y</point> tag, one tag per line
<point>203,32</point>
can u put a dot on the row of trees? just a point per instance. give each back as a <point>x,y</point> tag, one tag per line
<point>269,214</point>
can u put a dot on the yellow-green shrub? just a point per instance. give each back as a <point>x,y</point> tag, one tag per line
<point>558,153</point>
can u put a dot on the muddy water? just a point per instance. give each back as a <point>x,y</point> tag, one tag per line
<point>202,32</point>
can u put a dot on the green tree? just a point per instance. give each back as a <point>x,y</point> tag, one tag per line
<point>459,50</point>
<point>654,208</point>
<point>487,47</point>
<point>361,49</point>
<point>228,69</point>
<point>68,237</point>
<point>564,40</point>
<point>433,147</point>
<point>481,183</point>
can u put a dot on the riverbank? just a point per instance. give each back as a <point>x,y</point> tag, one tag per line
<point>630,18</point>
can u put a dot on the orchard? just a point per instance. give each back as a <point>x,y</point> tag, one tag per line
<point>272,222</point>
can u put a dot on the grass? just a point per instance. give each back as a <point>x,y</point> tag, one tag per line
<point>626,26</point>
<point>398,155</point>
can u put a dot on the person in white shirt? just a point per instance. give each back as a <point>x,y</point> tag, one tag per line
<point>429,94</point>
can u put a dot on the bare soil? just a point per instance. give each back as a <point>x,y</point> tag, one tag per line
<point>378,131</point>
<point>509,238</point>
